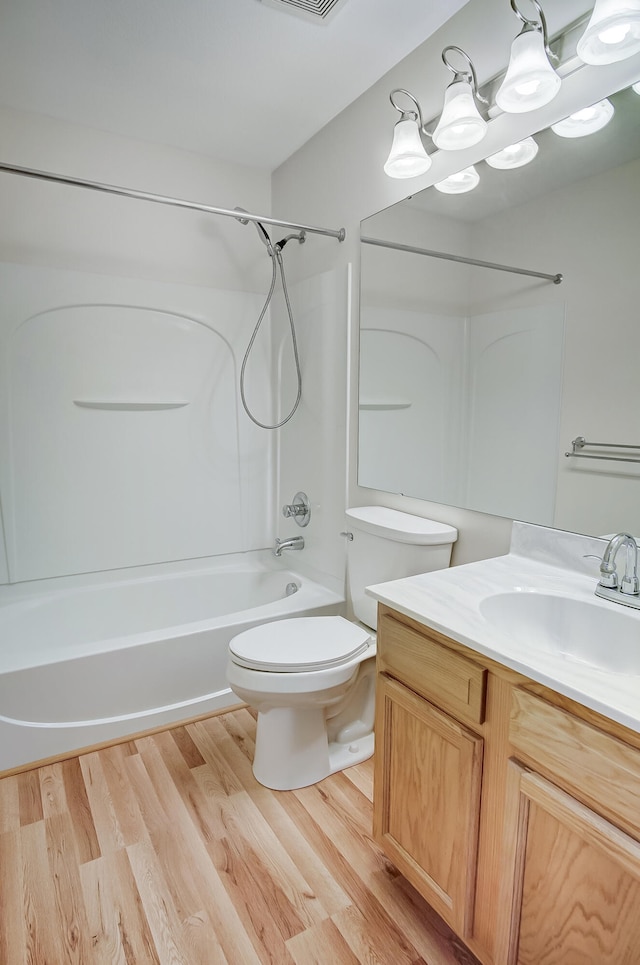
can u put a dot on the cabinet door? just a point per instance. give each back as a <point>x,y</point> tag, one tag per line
<point>572,881</point>
<point>427,799</point>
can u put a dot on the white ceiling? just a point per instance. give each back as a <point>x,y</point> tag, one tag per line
<point>234,79</point>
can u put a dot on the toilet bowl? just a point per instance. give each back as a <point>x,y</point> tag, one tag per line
<point>312,679</point>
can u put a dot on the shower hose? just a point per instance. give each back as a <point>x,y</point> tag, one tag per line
<point>276,261</point>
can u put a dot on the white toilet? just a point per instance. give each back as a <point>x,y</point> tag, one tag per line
<point>312,679</point>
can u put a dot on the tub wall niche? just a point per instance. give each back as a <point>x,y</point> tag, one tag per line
<point>121,439</point>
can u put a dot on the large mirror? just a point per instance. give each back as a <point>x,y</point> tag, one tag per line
<point>475,381</point>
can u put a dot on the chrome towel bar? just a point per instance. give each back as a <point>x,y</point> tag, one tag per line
<point>580,443</point>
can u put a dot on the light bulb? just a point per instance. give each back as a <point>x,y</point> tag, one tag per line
<point>613,32</point>
<point>615,35</point>
<point>407,157</point>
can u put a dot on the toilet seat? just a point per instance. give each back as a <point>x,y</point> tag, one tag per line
<point>300,644</point>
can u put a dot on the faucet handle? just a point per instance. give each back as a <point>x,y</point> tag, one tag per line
<point>608,572</point>
<point>291,510</point>
<point>608,576</point>
<point>299,510</point>
<point>630,585</point>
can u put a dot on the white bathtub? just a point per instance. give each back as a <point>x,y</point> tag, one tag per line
<point>89,659</point>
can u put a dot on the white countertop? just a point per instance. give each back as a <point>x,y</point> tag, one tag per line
<point>449,601</point>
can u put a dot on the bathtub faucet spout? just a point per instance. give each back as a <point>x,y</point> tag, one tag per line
<point>292,543</point>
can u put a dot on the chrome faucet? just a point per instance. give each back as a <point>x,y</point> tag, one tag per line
<point>610,586</point>
<point>292,543</point>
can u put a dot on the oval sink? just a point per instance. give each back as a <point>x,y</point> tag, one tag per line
<point>578,630</point>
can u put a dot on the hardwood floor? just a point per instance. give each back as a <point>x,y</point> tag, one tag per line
<point>165,849</point>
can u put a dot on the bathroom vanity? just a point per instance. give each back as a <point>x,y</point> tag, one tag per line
<point>507,781</point>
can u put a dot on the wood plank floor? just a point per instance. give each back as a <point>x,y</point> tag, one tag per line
<point>166,850</point>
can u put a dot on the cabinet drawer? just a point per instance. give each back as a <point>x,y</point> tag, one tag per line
<point>448,679</point>
<point>602,770</point>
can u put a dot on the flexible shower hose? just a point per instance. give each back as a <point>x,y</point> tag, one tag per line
<point>277,256</point>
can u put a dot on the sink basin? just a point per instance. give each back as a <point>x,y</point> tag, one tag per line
<point>577,630</point>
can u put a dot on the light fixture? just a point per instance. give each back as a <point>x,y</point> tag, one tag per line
<point>459,183</point>
<point>636,87</point>
<point>407,157</point>
<point>514,156</point>
<point>460,123</point>
<point>613,32</point>
<point>587,121</point>
<point>530,81</point>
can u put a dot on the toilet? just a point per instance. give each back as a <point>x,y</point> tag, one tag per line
<point>312,679</point>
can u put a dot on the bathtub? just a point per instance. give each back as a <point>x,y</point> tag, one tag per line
<point>84,660</point>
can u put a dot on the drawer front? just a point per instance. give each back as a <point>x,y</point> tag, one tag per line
<point>446,678</point>
<point>602,770</point>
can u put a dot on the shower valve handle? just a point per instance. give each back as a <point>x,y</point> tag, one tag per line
<point>293,511</point>
<point>299,509</point>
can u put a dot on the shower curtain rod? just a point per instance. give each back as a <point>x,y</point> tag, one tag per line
<point>340,234</point>
<point>556,279</point>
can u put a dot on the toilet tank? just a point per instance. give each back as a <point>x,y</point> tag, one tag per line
<point>388,545</point>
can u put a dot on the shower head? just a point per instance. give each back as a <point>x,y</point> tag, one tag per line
<point>299,236</point>
<point>262,233</point>
<point>260,228</point>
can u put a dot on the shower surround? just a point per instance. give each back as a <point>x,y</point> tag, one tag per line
<point>137,502</point>
<point>121,434</point>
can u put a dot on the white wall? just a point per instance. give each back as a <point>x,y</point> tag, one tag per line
<point>69,227</point>
<point>73,246</point>
<point>337,179</point>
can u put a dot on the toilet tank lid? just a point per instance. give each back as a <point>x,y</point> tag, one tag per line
<point>402,527</point>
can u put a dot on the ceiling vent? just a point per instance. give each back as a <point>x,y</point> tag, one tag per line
<point>317,11</point>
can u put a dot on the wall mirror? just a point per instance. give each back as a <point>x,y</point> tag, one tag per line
<point>475,381</point>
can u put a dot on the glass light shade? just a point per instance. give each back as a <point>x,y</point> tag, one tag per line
<point>407,157</point>
<point>459,183</point>
<point>530,81</point>
<point>514,156</point>
<point>613,32</point>
<point>587,121</point>
<point>460,123</point>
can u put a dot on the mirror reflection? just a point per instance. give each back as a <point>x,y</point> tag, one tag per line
<point>474,380</point>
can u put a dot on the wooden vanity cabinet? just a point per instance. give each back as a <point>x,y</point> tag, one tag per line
<point>429,768</point>
<point>428,799</point>
<point>513,811</point>
<point>571,883</point>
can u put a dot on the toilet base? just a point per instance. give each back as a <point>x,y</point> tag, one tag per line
<point>292,748</point>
